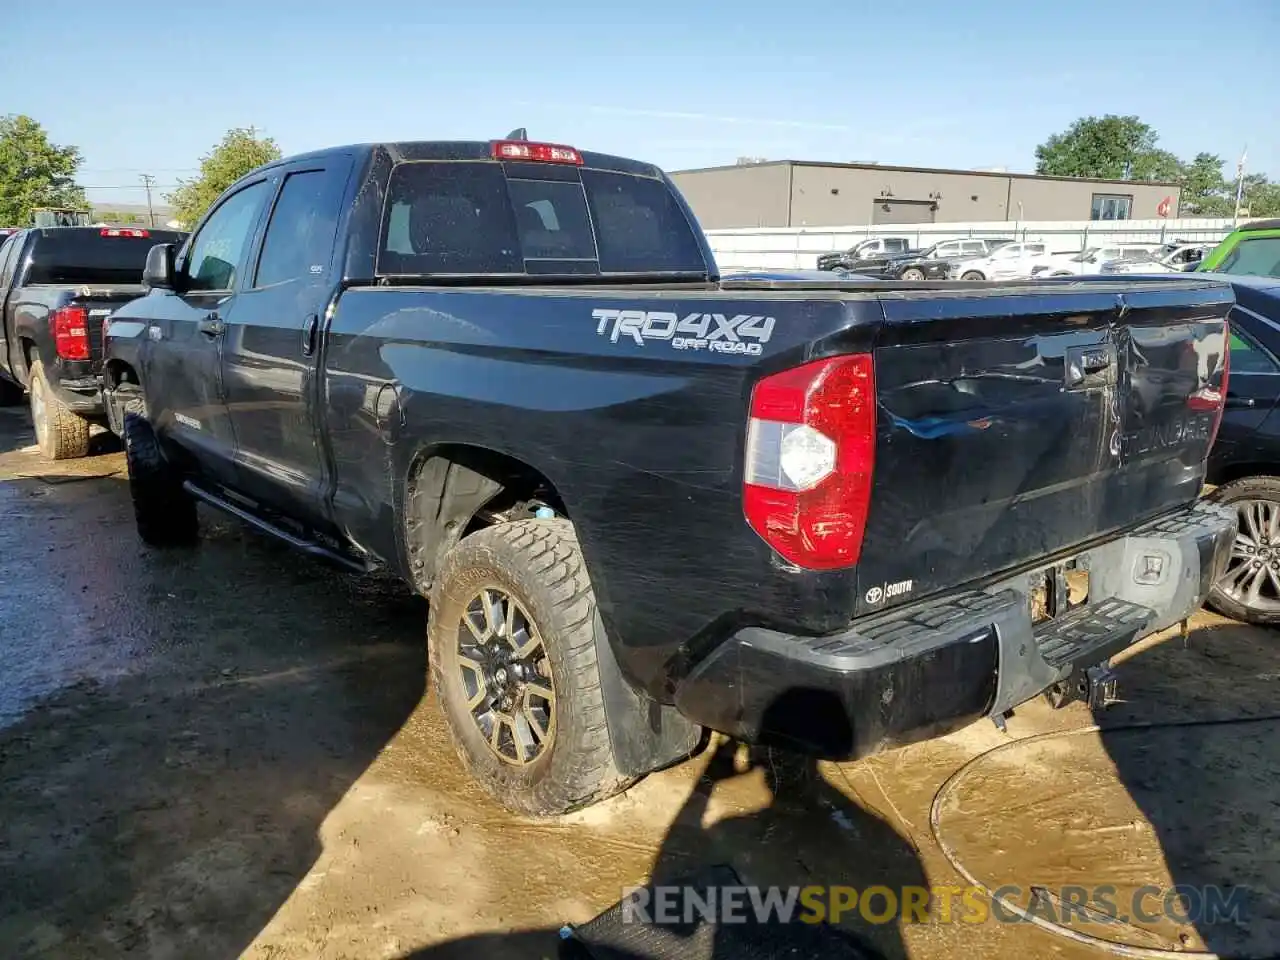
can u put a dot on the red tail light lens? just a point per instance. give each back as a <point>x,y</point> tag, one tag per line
<point>70,329</point>
<point>811,445</point>
<point>125,232</point>
<point>539,152</point>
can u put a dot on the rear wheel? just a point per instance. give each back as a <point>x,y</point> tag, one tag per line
<point>912,273</point>
<point>972,275</point>
<point>1249,588</point>
<point>512,644</point>
<point>165,514</point>
<point>61,433</point>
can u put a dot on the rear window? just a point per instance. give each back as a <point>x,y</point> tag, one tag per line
<point>71,255</point>
<point>1253,258</point>
<point>470,218</point>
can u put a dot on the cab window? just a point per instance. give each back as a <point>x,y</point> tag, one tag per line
<point>218,249</point>
<point>1249,356</point>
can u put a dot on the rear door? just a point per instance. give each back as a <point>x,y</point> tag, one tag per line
<point>272,341</point>
<point>182,370</point>
<point>1254,383</point>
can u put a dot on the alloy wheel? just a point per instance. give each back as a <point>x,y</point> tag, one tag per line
<point>1252,577</point>
<point>506,677</point>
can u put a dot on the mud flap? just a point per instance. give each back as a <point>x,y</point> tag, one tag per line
<point>645,735</point>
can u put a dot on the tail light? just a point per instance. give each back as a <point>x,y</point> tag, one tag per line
<point>70,329</point>
<point>540,152</point>
<point>125,232</point>
<point>811,445</point>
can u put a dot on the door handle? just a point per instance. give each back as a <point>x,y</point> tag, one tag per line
<point>1235,400</point>
<point>211,325</point>
<point>309,335</point>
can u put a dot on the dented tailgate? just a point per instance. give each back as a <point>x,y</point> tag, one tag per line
<point>1017,423</point>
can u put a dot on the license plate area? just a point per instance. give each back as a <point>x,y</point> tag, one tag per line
<point>1057,591</point>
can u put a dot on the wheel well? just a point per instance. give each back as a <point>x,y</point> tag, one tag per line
<point>455,490</point>
<point>117,372</point>
<point>1238,471</point>
<point>28,350</point>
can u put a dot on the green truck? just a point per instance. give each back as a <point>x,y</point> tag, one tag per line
<point>1252,249</point>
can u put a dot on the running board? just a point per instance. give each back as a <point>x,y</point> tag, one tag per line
<point>309,547</point>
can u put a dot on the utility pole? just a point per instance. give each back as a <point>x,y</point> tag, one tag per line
<point>147,181</point>
<point>1240,184</point>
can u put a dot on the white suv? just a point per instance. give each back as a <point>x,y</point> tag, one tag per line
<point>1009,262</point>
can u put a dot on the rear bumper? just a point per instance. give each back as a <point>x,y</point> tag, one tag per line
<point>931,667</point>
<point>82,395</point>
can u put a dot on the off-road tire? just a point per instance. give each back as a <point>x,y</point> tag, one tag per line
<point>165,514</point>
<point>539,564</point>
<point>972,275</point>
<point>1250,488</point>
<point>912,273</point>
<point>61,433</point>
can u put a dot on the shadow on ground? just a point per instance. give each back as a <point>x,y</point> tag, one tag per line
<point>174,726</point>
<point>1207,780</point>
<point>845,845</point>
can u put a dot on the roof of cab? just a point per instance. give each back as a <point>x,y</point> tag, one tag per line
<point>411,150</point>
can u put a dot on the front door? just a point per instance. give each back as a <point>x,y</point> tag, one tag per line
<point>182,359</point>
<point>273,342</point>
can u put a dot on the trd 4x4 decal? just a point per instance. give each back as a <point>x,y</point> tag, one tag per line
<point>713,332</point>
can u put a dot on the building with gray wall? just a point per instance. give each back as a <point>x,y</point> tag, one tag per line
<point>797,193</point>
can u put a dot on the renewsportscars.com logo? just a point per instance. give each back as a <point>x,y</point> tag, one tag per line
<point>714,332</point>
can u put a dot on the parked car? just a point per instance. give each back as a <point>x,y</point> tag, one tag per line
<point>1245,461</point>
<point>1251,250</point>
<point>643,500</point>
<point>935,262</point>
<point>56,286</point>
<point>872,252</point>
<point>1008,262</point>
<point>1094,260</point>
<point>1172,258</point>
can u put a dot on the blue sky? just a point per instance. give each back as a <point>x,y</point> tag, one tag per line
<point>147,86</point>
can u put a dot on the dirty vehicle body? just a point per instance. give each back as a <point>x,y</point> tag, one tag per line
<point>57,286</point>
<point>831,515</point>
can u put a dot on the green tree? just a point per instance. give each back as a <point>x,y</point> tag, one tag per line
<point>34,172</point>
<point>1106,148</point>
<point>1205,193</point>
<point>1261,197</point>
<point>240,151</point>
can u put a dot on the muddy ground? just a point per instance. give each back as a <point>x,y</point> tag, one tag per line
<point>227,751</point>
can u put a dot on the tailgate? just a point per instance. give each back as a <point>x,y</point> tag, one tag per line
<point>100,302</point>
<point>1023,421</point>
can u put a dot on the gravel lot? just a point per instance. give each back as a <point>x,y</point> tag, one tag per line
<point>228,751</point>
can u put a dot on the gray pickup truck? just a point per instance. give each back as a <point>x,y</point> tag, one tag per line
<point>644,500</point>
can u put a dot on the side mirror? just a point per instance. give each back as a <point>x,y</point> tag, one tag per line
<point>158,273</point>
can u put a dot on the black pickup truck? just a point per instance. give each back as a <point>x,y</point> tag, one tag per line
<point>57,285</point>
<point>643,501</point>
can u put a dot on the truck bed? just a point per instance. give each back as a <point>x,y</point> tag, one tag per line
<point>986,457</point>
